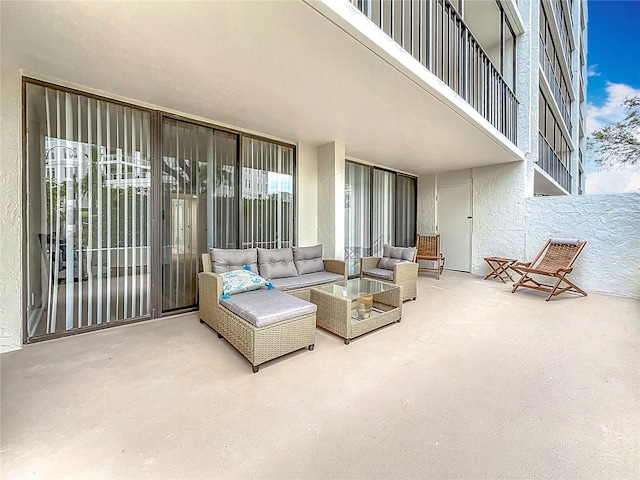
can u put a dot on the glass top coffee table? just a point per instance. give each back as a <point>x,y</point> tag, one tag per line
<point>355,307</point>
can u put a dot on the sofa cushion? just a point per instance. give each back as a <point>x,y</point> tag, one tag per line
<point>381,273</point>
<point>306,280</point>
<point>308,259</point>
<point>276,263</point>
<point>266,307</point>
<point>226,260</point>
<point>238,281</point>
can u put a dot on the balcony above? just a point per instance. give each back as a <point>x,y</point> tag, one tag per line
<point>302,72</point>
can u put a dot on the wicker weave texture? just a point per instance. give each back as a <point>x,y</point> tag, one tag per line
<point>257,344</point>
<point>553,260</point>
<point>405,274</point>
<point>334,313</point>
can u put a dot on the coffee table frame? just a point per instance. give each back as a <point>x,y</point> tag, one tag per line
<point>336,313</point>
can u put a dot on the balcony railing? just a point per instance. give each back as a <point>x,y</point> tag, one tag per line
<point>549,161</point>
<point>565,28</point>
<point>434,33</point>
<point>556,89</point>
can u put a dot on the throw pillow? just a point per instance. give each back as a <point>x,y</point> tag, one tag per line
<point>238,281</point>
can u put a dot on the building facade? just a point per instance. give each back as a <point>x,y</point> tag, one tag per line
<point>129,151</point>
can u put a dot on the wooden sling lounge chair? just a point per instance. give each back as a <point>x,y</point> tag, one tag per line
<point>429,250</point>
<point>554,260</point>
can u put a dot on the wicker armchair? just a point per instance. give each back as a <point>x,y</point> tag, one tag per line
<point>429,250</point>
<point>555,259</point>
<point>396,266</point>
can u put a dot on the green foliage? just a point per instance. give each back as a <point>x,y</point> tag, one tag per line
<point>618,145</point>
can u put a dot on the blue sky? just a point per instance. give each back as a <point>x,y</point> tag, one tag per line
<point>613,60</point>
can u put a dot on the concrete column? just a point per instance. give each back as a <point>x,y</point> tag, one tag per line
<point>307,195</point>
<point>527,87</point>
<point>331,163</point>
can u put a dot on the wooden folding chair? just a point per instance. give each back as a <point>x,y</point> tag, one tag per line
<point>554,260</point>
<point>429,250</point>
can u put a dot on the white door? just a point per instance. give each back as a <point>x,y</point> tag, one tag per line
<point>454,226</point>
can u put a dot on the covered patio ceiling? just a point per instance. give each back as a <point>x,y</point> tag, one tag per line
<point>277,68</point>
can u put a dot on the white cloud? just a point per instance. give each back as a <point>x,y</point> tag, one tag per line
<point>592,71</point>
<point>625,180</point>
<point>613,110</point>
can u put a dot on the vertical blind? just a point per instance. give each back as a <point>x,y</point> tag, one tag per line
<point>199,205</point>
<point>357,215</point>
<point>383,215</point>
<point>89,209</point>
<point>267,194</point>
<point>88,216</point>
<point>380,209</point>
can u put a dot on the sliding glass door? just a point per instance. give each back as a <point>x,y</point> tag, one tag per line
<point>88,211</point>
<point>380,209</point>
<point>357,217</point>
<point>406,202</point>
<point>267,194</point>
<point>199,204</point>
<point>120,198</point>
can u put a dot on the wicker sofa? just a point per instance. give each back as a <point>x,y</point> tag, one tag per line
<point>397,266</point>
<point>267,323</point>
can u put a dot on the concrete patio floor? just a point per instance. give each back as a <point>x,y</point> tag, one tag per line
<point>475,382</point>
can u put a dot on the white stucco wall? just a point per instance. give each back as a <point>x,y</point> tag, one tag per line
<point>307,194</point>
<point>426,210</point>
<point>331,160</point>
<point>11,214</point>
<point>498,214</point>
<point>610,262</point>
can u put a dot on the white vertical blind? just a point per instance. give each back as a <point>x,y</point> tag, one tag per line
<point>267,194</point>
<point>93,236</point>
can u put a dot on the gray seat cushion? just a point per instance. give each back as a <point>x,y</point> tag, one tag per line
<point>276,263</point>
<point>381,273</point>
<point>266,307</point>
<point>308,259</point>
<point>306,280</point>
<point>227,260</point>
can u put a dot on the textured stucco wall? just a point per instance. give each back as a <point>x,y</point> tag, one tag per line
<point>307,194</point>
<point>11,210</point>
<point>610,262</point>
<point>426,210</point>
<point>331,160</point>
<point>498,214</point>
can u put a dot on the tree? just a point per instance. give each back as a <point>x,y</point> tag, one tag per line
<point>618,145</point>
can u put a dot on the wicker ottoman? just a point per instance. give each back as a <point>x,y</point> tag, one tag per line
<point>261,325</point>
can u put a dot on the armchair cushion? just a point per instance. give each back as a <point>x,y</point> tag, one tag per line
<point>308,259</point>
<point>226,260</point>
<point>392,255</point>
<point>276,263</point>
<point>238,281</point>
<point>403,253</point>
<point>382,273</point>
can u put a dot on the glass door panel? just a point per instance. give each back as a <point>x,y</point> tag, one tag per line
<point>88,215</point>
<point>357,216</point>
<point>198,210</point>
<point>383,214</point>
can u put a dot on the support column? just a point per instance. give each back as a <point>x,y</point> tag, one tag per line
<point>331,199</point>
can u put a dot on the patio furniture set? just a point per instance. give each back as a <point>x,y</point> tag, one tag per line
<point>268,302</point>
